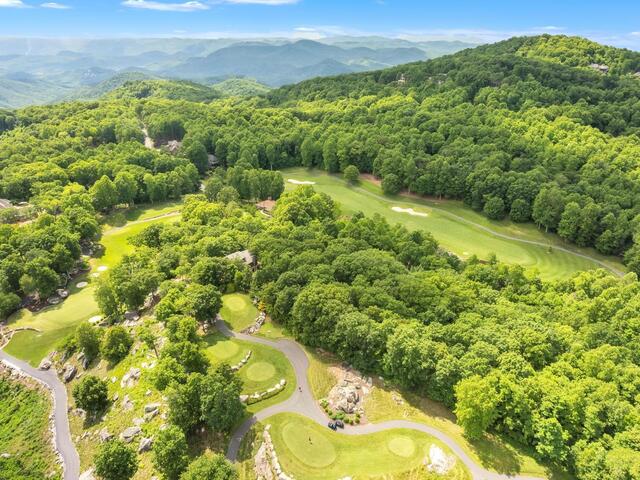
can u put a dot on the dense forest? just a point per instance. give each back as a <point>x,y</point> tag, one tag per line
<point>551,365</point>
<point>524,128</point>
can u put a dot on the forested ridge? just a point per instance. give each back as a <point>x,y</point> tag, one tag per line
<point>551,365</point>
<point>524,128</point>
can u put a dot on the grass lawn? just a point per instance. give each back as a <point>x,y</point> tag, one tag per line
<point>265,367</point>
<point>492,452</point>
<point>455,235</point>
<point>239,312</point>
<point>24,428</point>
<point>311,451</point>
<point>320,379</point>
<point>55,322</point>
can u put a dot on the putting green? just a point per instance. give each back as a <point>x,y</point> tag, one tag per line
<point>309,445</point>
<point>238,311</point>
<point>458,228</point>
<point>55,322</point>
<point>402,446</point>
<point>260,371</point>
<point>311,451</point>
<point>265,367</point>
<point>224,350</point>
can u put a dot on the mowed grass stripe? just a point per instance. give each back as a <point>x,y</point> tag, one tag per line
<point>56,321</point>
<point>313,452</point>
<point>461,238</point>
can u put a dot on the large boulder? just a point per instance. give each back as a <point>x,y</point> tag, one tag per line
<point>151,407</point>
<point>130,378</point>
<point>104,435</point>
<point>145,445</point>
<point>69,372</point>
<point>129,434</point>
<point>45,364</point>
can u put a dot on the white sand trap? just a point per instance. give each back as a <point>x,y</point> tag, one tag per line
<point>410,211</point>
<point>95,319</point>
<point>81,284</point>
<point>300,182</point>
<point>102,268</point>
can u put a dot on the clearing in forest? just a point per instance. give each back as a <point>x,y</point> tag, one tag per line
<point>459,229</point>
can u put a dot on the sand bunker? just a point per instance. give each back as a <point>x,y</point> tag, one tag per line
<point>102,268</point>
<point>81,284</point>
<point>299,182</point>
<point>410,211</point>
<point>95,319</point>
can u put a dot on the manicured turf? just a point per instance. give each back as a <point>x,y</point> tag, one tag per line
<point>260,372</point>
<point>265,367</point>
<point>311,451</point>
<point>491,451</point>
<point>457,236</point>
<point>57,321</point>
<point>238,311</point>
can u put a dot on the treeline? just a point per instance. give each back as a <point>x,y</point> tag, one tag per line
<point>72,162</point>
<point>513,129</point>
<point>551,365</point>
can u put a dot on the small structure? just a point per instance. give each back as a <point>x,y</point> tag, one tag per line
<point>172,146</point>
<point>599,67</point>
<point>244,255</point>
<point>266,206</point>
<point>402,80</point>
<point>4,203</point>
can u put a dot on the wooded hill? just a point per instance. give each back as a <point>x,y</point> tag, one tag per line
<point>519,128</point>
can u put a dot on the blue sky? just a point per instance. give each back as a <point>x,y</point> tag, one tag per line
<point>614,22</point>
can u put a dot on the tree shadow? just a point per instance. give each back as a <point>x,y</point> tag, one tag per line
<point>495,453</point>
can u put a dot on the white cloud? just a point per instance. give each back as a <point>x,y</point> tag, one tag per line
<point>190,6</point>
<point>13,4</point>
<point>258,2</point>
<point>55,6</point>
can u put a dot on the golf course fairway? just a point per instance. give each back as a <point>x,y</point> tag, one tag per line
<point>311,451</point>
<point>53,323</point>
<point>458,228</point>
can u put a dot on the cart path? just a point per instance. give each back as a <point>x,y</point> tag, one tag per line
<point>615,271</point>
<point>303,403</point>
<point>62,434</point>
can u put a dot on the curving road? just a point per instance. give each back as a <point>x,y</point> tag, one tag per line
<point>302,402</point>
<point>62,433</point>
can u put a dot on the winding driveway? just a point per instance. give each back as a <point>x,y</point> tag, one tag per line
<point>62,433</point>
<point>302,402</point>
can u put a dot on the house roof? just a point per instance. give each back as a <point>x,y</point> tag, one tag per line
<point>266,205</point>
<point>245,255</point>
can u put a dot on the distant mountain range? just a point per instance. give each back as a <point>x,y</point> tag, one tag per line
<point>35,71</point>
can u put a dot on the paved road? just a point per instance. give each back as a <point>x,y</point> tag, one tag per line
<point>302,402</point>
<point>64,444</point>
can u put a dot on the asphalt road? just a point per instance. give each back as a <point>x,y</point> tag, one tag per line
<point>64,444</point>
<point>302,402</point>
